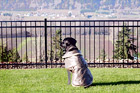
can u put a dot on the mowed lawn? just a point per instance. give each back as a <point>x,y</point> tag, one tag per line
<point>106,80</point>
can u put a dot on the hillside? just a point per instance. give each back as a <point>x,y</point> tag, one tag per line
<point>87,5</point>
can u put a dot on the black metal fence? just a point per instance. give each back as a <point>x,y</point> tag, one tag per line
<point>31,44</point>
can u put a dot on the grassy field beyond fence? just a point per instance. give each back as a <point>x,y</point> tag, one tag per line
<point>106,80</point>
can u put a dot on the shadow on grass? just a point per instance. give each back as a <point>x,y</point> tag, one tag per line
<point>115,83</point>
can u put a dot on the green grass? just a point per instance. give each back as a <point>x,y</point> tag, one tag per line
<point>106,80</point>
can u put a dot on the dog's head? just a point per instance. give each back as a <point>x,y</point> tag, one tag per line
<point>68,42</point>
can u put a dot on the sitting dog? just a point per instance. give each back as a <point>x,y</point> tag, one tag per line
<point>75,64</point>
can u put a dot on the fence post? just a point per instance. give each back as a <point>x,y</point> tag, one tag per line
<point>45,41</point>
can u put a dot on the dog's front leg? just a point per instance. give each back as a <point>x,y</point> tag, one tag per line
<point>69,77</point>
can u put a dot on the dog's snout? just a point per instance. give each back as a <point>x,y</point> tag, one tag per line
<point>62,44</point>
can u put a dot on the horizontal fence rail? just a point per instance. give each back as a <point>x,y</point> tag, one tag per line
<point>36,44</point>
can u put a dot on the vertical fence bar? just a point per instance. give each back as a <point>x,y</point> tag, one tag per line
<point>123,44</point>
<point>113,42</point>
<point>31,41</point>
<point>11,40</point>
<point>6,43</point>
<point>84,41</point>
<point>16,42</point>
<point>108,42</point>
<point>40,58</point>
<point>133,40</point>
<point>94,43</point>
<point>51,41</point>
<point>80,35</point>
<point>137,45</point>
<point>60,41</point>
<point>107,39</point>
<point>75,30</point>
<point>21,38</point>
<point>99,41</point>
<point>36,43</point>
<point>118,36</point>
<point>26,41</point>
<point>65,29</point>
<point>104,46</point>
<point>55,45</point>
<point>2,41</point>
<point>89,43</point>
<point>70,29</point>
<point>45,42</point>
<point>128,28</point>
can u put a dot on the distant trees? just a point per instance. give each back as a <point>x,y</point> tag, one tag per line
<point>7,14</point>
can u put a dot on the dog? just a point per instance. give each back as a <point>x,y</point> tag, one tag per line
<point>76,64</point>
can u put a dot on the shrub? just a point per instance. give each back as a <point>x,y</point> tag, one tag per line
<point>8,55</point>
<point>124,45</point>
<point>56,52</point>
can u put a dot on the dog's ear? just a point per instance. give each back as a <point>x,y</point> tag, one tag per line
<point>73,41</point>
<point>70,41</point>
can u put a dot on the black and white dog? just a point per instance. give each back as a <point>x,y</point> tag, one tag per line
<point>76,64</point>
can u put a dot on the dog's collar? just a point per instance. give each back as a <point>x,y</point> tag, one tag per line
<point>72,47</point>
<point>70,54</point>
